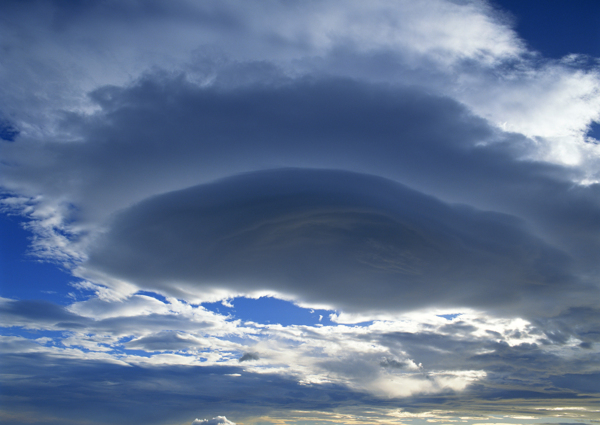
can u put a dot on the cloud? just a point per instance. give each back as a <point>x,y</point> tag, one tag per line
<point>515,374</point>
<point>163,341</point>
<point>189,139</point>
<point>393,363</point>
<point>112,393</point>
<point>137,305</point>
<point>484,65</point>
<point>248,357</point>
<point>219,420</point>
<point>431,143</point>
<point>38,314</point>
<point>73,42</point>
<point>474,356</point>
<point>445,159</point>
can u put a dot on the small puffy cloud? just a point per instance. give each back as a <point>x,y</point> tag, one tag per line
<point>219,420</point>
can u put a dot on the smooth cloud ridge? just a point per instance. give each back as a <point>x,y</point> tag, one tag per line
<point>356,242</point>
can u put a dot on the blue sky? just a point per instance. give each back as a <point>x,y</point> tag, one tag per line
<point>283,212</point>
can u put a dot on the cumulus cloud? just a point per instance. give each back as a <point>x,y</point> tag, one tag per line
<point>166,34</point>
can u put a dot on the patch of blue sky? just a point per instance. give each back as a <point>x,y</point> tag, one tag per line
<point>594,131</point>
<point>270,311</point>
<point>126,339</point>
<point>449,316</point>
<point>159,297</point>
<point>557,28</point>
<point>23,276</point>
<point>8,132</point>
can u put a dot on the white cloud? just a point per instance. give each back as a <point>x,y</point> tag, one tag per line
<point>425,43</point>
<point>411,355</point>
<point>554,104</point>
<point>219,420</point>
<point>134,306</point>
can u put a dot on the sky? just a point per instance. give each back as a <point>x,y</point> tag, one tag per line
<point>299,213</point>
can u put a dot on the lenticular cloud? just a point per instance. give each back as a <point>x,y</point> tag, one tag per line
<point>351,241</point>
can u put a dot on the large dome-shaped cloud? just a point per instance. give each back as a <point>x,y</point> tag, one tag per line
<point>351,241</point>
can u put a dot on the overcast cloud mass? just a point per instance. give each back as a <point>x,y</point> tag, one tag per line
<point>282,212</point>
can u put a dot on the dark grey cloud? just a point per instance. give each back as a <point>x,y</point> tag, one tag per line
<point>164,133</point>
<point>290,230</point>
<point>43,386</point>
<point>248,357</point>
<point>582,323</point>
<point>582,383</point>
<point>393,363</point>
<point>353,241</point>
